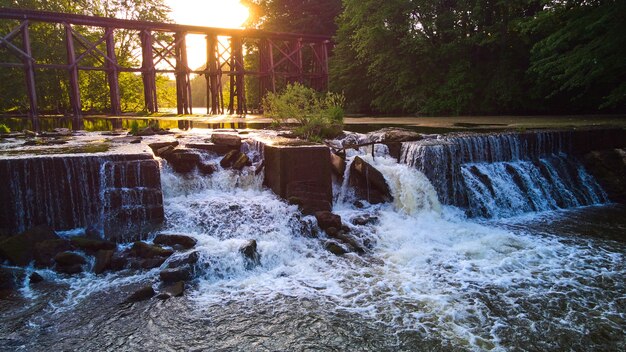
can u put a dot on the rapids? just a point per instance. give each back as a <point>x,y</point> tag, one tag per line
<point>432,278</point>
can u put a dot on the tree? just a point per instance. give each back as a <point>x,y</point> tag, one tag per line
<point>579,59</point>
<point>48,46</point>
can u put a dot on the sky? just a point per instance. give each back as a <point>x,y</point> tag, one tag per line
<point>207,13</point>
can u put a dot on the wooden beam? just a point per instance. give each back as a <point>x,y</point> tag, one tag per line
<point>147,72</point>
<point>75,101</point>
<point>112,73</point>
<point>29,75</point>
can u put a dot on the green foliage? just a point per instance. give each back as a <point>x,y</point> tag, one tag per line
<point>317,115</point>
<point>48,47</point>
<point>481,57</point>
<point>4,129</point>
<point>134,127</point>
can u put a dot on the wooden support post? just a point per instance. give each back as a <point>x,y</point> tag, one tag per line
<point>272,71</point>
<point>239,86</point>
<point>183,89</point>
<point>148,73</point>
<point>231,69</point>
<point>325,79</point>
<point>212,70</point>
<point>29,74</point>
<point>112,73</point>
<point>74,84</point>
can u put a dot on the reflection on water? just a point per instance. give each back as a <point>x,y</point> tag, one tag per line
<point>109,124</point>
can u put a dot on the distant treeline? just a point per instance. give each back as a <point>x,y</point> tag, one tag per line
<point>468,56</point>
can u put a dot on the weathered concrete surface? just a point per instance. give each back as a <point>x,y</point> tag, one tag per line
<point>609,169</point>
<point>301,174</point>
<point>117,194</point>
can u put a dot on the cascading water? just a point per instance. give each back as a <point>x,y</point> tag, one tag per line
<point>431,279</point>
<point>505,174</point>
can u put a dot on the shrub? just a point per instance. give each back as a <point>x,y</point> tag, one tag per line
<point>4,129</point>
<point>317,115</point>
<point>134,127</point>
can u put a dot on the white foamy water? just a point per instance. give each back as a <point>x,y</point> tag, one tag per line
<point>427,270</point>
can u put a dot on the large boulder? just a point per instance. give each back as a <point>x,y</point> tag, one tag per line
<point>159,145</point>
<point>69,258</point>
<point>230,158</point>
<point>19,249</point>
<point>174,240</point>
<point>369,183</point>
<point>7,279</point>
<point>184,260</point>
<point>334,248</point>
<point>175,289</point>
<point>212,147</point>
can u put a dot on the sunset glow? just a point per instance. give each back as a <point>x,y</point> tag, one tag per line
<point>206,13</point>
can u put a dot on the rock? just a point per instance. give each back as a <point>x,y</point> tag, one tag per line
<point>228,140</point>
<point>242,160</point>
<point>142,294</point>
<point>212,148</point>
<point>152,263</point>
<point>175,274</point>
<point>175,290</point>
<point>338,164</point>
<point>249,252</point>
<point>609,169</point>
<point>69,258</point>
<point>163,296</point>
<point>164,152</point>
<point>147,251</point>
<point>7,279</point>
<point>326,219</point>
<point>118,262</point>
<point>45,251</point>
<point>341,236</point>
<point>334,248</point>
<point>29,133</point>
<point>92,245</point>
<point>172,240</point>
<point>394,134</point>
<point>35,278</point>
<point>189,259</point>
<point>158,145</point>
<point>127,139</point>
<point>103,261</point>
<point>332,231</point>
<point>229,159</point>
<point>183,160</point>
<point>370,184</point>
<point>19,249</point>
<point>69,269</point>
<point>364,220</point>
<point>207,169</point>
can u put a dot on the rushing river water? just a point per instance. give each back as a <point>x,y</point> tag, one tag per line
<point>431,278</point>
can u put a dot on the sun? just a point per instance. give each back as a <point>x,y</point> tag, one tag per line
<point>209,13</point>
<point>206,13</point>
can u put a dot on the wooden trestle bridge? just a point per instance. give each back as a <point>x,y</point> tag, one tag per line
<point>163,51</point>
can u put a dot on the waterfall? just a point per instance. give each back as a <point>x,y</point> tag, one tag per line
<point>499,175</point>
<point>117,194</point>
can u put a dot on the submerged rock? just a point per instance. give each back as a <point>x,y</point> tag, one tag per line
<point>172,240</point>
<point>183,160</point>
<point>188,259</point>
<point>7,279</point>
<point>241,161</point>
<point>230,158</point>
<point>141,295</point>
<point>334,248</point>
<point>152,263</point>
